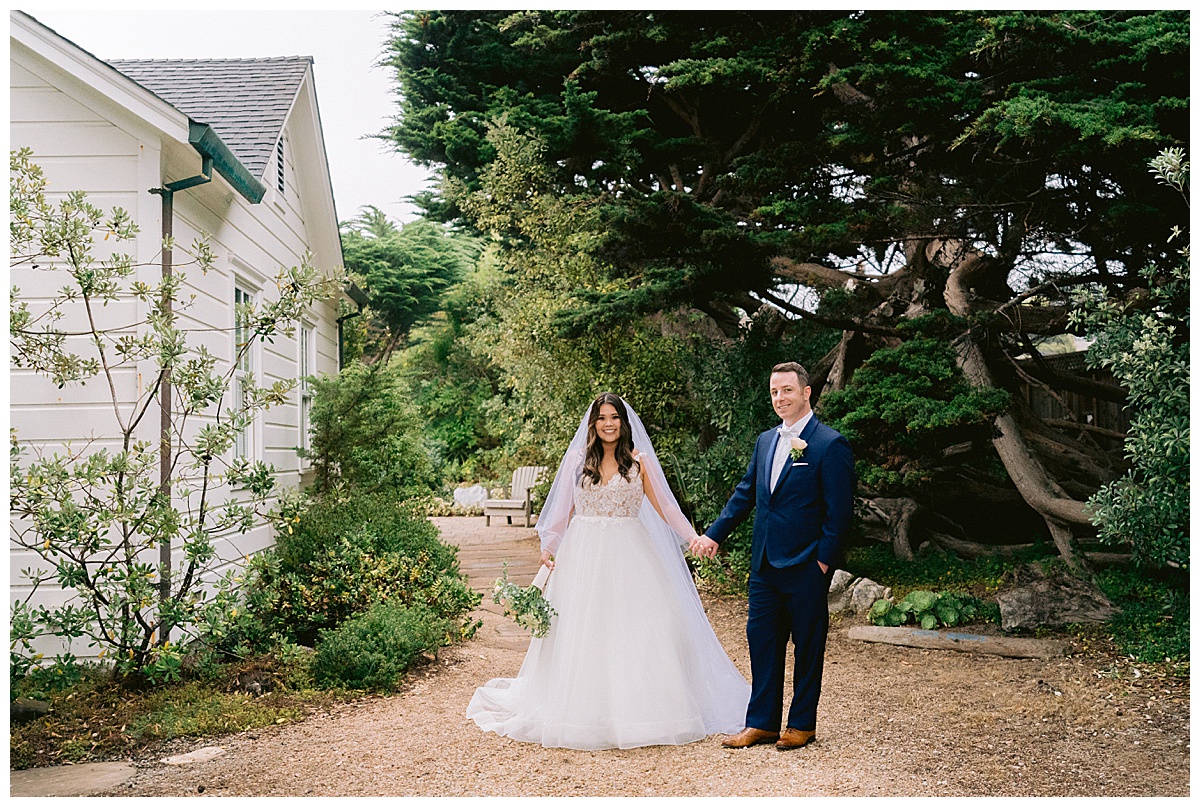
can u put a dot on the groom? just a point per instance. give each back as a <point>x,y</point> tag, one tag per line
<point>801,484</point>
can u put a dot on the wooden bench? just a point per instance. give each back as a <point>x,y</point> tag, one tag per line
<point>520,501</point>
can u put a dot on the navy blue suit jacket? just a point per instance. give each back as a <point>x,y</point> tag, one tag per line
<point>809,511</point>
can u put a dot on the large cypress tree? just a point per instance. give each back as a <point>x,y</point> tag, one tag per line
<point>903,164</point>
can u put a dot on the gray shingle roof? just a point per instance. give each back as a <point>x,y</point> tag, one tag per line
<point>244,100</point>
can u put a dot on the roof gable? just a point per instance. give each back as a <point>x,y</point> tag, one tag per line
<point>246,101</point>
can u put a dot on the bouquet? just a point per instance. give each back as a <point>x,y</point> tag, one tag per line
<point>525,605</point>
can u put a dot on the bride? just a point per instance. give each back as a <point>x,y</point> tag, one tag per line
<point>630,659</point>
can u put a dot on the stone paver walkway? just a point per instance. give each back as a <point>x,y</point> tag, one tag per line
<point>482,553</point>
<point>69,780</point>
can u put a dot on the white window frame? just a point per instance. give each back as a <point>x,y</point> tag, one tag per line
<point>248,443</point>
<point>306,365</point>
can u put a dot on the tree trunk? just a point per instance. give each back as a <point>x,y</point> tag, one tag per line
<point>968,268</point>
<point>900,515</point>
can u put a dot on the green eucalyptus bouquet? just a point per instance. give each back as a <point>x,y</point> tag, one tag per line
<point>525,605</point>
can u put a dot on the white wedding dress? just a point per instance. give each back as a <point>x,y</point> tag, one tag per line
<point>630,659</point>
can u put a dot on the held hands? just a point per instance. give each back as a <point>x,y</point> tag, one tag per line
<point>547,559</point>
<point>702,546</point>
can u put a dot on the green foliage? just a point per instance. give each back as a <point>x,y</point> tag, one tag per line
<point>1155,622</point>
<point>97,716</point>
<point>336,559</point>
<point>406,270</point>
<point>450,385</point>
<point>929,610</point>
<point>524,605</point>
<point>906,404</point>
<point>374,649</point>
<point>366,434</point>
<point>981,577</point>
<point>620,207</point>
<point>194,710</point>
<point>1145,344</point>
<point>93,516</point>
<point>839,133</point>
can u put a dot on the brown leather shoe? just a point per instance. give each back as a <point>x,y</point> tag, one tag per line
<point>750,736</point>
<point>794,738</point>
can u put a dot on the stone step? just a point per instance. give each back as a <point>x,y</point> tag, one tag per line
<point>69,780</point>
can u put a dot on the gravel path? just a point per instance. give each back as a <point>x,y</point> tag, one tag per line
<point>894,721</point>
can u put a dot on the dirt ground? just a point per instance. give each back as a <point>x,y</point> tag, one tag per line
<point>893,721</point>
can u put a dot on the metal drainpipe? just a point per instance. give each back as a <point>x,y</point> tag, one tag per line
<point>167,192</point>
<point>341,338</point>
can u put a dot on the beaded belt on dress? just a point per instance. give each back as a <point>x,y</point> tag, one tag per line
<point>606,518</point>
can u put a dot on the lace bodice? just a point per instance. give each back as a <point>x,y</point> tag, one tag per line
<point>618,498</point>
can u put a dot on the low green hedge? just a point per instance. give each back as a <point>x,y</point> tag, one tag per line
<point>374,649</point>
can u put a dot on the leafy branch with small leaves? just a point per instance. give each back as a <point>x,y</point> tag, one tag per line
<point>524,605</point>
<point>96,516</point>
<point>1144,341</point>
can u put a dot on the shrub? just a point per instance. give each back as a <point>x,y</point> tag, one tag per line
<point>1154,623</point>
<point>908,403</point>
<point>378,523</point>
<point>366,435</point>
<point>373,650</point>
<point>1146,346</point>
<point>94,518</point>
<point>341,558</point>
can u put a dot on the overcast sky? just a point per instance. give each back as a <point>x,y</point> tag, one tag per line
<point>354,95</point>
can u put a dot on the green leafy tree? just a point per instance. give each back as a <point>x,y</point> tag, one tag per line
<point>1145,345</point>
<point>906,405</point>
<point>96,517</point>
<point>366,435</point>
<point>899,162</point>
<point>450,385</point>
<point>406,270</point>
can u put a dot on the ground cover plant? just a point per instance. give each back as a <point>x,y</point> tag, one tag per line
<point>95,716</point>
<point>1153,626</point>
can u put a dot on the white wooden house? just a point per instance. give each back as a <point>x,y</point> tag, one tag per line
<point>117,129</point>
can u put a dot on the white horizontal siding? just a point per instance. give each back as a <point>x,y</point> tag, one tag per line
<point>86,143</point>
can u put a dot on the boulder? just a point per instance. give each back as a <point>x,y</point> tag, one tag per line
<point>839,597</point>
<point>850,594</point>
<point>864,593</point>
<point>1049,598</point>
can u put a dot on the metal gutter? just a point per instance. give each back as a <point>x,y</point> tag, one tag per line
<point>209,144</point>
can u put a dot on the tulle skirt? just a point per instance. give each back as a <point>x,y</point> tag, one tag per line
<point>630,659</point>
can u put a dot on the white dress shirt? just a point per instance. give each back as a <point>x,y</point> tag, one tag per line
<point>784,445</point>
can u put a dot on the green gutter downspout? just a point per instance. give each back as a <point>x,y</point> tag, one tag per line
<point>361,299</point>
<point>213,154</point>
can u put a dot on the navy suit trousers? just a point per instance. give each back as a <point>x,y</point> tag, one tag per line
<point>787,603</point>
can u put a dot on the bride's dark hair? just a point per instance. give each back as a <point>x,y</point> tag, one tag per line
<point>594,454</point>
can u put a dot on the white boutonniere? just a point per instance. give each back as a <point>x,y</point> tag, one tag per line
<point>798,447</point>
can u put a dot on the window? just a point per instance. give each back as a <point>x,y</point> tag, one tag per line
<point>279,165</point>
<point>243,377</point>
<point>306,369</point>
